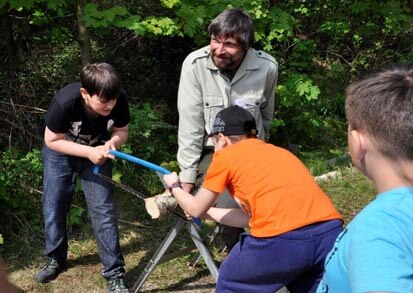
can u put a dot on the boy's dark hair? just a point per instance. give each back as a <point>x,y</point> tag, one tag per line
<point>381,104</point>
<point>101,79</point>
<point>234,22</point>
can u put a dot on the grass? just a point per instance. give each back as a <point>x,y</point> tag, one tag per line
<point>350,192</point>
<point>140,237</point>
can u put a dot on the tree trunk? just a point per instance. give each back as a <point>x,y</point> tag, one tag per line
<point>84,36</point>
<point>11,48</point>
<point>271,3</point>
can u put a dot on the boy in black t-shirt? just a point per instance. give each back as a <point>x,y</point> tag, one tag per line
<point>84,121</point>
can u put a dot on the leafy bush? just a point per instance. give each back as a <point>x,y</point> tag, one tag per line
<point>149,139</point>
<point>20,195</point>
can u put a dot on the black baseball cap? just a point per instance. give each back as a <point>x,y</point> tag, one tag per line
<point>234,120</point>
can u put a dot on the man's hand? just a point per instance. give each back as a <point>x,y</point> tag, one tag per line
<point>171,179</point>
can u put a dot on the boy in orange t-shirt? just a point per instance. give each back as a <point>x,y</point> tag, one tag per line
<point>292,222</point>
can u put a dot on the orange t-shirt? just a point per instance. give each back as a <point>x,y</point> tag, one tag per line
<point>271,184</point>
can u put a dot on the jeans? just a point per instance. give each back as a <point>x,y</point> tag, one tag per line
<point>59,181</point>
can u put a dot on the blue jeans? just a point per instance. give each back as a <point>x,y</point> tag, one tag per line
<point>59,179</point>
<point>294,259</point>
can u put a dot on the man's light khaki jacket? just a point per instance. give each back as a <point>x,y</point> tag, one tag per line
<point>204,91</point>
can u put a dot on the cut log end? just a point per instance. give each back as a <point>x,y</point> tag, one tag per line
<point>158,205</point>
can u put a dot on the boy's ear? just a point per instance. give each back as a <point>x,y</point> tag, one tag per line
<point>358,144</point>
<point>84,93</point>
<point>221,140</point>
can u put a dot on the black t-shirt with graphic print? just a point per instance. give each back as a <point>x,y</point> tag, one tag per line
<point>67,114</point>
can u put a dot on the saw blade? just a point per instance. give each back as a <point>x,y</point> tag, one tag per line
<point>137,194</point>
<point>123,186</point>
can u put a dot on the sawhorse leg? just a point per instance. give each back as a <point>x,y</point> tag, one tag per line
<point>166,243</point>
<point>210,239</point>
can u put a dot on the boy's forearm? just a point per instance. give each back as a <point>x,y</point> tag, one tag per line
<point>196,205</point>
<point>230,217</point>
<point>119,137</point>
<point>57,142</point>
<point>69,148</point>
<point>189,202</point>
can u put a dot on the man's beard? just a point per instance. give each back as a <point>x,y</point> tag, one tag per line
<point>225,63</point>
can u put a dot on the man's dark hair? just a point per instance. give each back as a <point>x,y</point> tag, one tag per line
<point>234,22</point>
<point>101,79</point>
<point>381,105</point>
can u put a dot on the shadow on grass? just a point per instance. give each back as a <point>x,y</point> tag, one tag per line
<point>189,284</point>
<point>181,246</point>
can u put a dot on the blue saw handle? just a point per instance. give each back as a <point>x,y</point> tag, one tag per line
<point>139,161</point>
<point>148,165</point>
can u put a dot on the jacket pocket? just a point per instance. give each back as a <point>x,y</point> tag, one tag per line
<point>212,105</point>
<point>252,104</point>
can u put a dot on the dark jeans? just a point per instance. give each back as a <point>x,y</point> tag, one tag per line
<point>58,186</point>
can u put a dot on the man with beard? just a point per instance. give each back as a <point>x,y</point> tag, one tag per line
<point>226,72</point>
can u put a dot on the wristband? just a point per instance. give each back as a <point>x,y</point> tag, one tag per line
<point>174,185</point>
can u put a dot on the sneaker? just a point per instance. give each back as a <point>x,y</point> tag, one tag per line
<point>116,286</point>
<point>49,271</point>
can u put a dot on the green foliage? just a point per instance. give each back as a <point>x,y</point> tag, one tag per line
<point>96,18</point>
<point>44,14</point>
<point>118,16</point>
<point>76,216</point>
<point>60,68</point>
<point>300,114</point>
<point>330,43</point>
<point>149,137</point>
<point>170,3</point>
<point>278,31</point>
<point>159,26</point>
<point>192,19</point>
<point>20,181</point>
<point>18,4</point>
